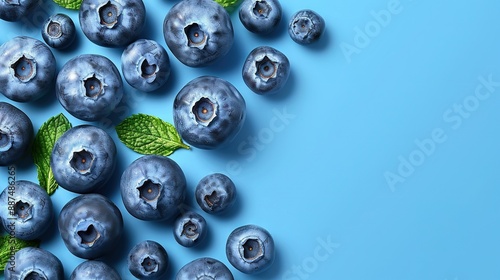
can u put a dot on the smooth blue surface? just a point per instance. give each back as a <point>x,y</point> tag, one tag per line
<point>310,164</point>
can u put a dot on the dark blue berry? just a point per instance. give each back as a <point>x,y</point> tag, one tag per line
<point>208,112</point>
<point>90,225</point>
<point>59,31</point>
<point>29,207</point>
<point>34,263</point>
<point>94,270</point>
<point>250,249</point>
<point>16,134</point>
<point>153,188</point>
<point>260,16</point>
<point>145,65</point>
<point>215,193</point>
<point>89,87</point>
<point>198,32</point>
<point>148,260</point>
<point>112,23</point>
<point>266,70</point>
<point>27,69</point>
<point>190,229</point>
<point>306,27</point>
<point>204,268</point>
<point>83,159</point>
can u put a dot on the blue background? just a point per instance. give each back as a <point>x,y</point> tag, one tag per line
<point>379,159</point>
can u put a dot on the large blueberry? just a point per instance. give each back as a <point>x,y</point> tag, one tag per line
<point>90,225</point>
<point>148,260</point>
<point>198,32</point>
<point>112,23</point>
<point>83,159</point>
<point>89,87</point>
<point>306,27</point>
<point>145,65</point>
<point>260,16</point>
<point>14,10</point>
<point>59,31</point>
<point>153,188</point>
<point>250,249</point>
<point>29,207</point>
<point>34,263</point>
<point>215,193</point>
<point>266,70</point>
<point>190,229</point>
<point>209,112</point>
<point>27,69</point>
<point>16,134</point>
<point>94,270</point>
<point>204,268</point>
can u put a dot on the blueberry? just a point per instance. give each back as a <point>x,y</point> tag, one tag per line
<point>27,69</point>
<point>83,159</point>
<point>208,112</point>
<point>198,32</point>
<point>94,270</point>
<point>306,27</point>
<point>190,229</point>
<point>260,16</point>
<point>250,249</point>
<point>215,193</point>
<point>28,206</point>
<point>112,23</point>
<point>59,31</point>
<point>148,260</point>
<point>14,10</point>
<point>145,65</point>
<point>204,268</point>
<point>153,188</point>
<point>89,87</point>
<point>90,225</point>
<point>34,263</point>
<point>266,70</point>
<point>16,134</point>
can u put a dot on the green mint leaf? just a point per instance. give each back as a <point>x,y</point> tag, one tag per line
<point>69,4</point>
<point>229,5</point>
<point>149,135</point>
<point>9,245</point>
<point>45,139</point>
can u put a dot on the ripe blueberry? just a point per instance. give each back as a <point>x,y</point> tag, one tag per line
<point>14,10</point>
<point>204,268</point>
<point>190,228</point>
<point>34,263</point>
<point>208,112</point>
<point>89,87</point>
<point>112,23</point>
<point>27,69</point>
<point>260,16</point>
<point>16,134</point>
<point>250,249</point>
<point>59,31</point>
<point>83,159</point>
<point>266,70</point>
<point>153,188</point>
<point>31,210</point>
<point>94,270</point>
<point>198,32</point>
<point>215,193</point>
<point>148,260</point>
<point>145,65</point>
<point>306,27</point>
<point>90,225</point>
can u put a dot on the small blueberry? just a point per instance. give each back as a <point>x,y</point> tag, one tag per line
<point>306,27</point>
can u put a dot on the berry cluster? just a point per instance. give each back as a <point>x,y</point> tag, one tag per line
<point>208,112</point>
